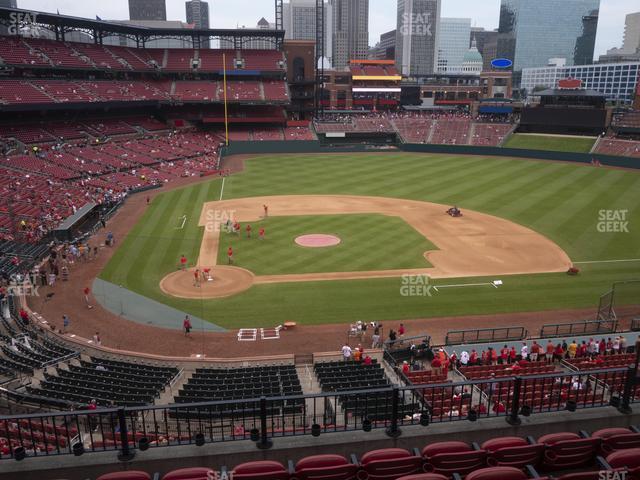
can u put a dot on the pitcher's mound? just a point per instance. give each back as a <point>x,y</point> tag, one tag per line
<point>317,240</point>
<point>227,281</point>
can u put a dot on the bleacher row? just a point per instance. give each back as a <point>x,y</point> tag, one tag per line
<point>560,456</point>
<point>618,147</point>
<point>453,130</point>
<point>42,53</point>
<point>45,189</point>
<point>41,92</point>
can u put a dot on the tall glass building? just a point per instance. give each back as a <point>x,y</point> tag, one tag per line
<point>453,43</point>
<point>533,31</point>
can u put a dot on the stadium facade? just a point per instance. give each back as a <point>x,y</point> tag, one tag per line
<point>618,81</point>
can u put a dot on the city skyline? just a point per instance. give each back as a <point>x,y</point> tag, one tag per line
<point>382,15</point>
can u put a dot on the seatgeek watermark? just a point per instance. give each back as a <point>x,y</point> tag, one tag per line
<point>416,24</point>
<point>415,286</point>
<point>18,19</point>
<point>613,221</point>
<point>22,289</point>
<point>218,475</point>
<point>219,220</point>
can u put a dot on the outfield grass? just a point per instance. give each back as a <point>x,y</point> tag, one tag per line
<point>364,245</point>
<point>562,201</point>
<point>555,144</point>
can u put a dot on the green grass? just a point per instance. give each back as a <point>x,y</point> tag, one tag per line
<point>555,144</point>
<point>364,245</point>
<point>560,200</point>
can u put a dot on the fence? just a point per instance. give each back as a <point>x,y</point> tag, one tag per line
<point>264,419</point>
<point>485,335</point>
<point>577,328</point>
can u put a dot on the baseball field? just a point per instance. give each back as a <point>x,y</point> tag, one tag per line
<point>523,223</point>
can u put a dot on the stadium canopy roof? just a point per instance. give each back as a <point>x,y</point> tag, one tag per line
<point>21,17</point>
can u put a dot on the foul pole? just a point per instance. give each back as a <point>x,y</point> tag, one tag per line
<point>224,83</point>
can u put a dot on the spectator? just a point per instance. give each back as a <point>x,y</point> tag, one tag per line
<point>550,350</point>
<point>86,293</point>
<point>65,323</point>
<point>573,349</point>
<point>504,355</point>
<point>524,351</point>
<point>367,360</point>
<point>464,358</point>
<point>558,353</point>
<point>346,352</point>
<point>96,339</point>
<point>186,325</point>
<point>512,354</point>
<point>405,367</point>
<point>436,365</point>
<point>535,350</point>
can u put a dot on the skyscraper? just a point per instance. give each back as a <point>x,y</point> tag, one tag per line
<point>198,16</point>
<point>350,31</point>
<point>147,10</point>
<point>386,48</point>
<point>453,43</point>
<point>300,22</point>
<point>487,43</point>
<point>532,32</point>
<point>8,4</point>
<point>417,33</point>
<point>631,42</point>
<point>197,13</point>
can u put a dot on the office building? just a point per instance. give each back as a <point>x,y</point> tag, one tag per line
<point>532,32</point>
<point>350,20</point>
<point>147,10</point>
<point>198,16</point>
<point>386,48</point>
<point>487,44</point>
<point>299,18</point>
<point>417,31</point>
<point>197,13</point>
<point>453,43</point>
<point>618,81</point>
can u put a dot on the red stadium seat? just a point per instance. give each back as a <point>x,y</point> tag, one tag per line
<point>448,458</point>
<point>568,450</point>
<point>626,459</point>
<point>497,473</point>
<point>132,475</point>
<point>614,439</point>
<point>195,473</point>
<point>260,470</point>
<point>325,467</point>
<point>512,452</point>
<point>388,464</point>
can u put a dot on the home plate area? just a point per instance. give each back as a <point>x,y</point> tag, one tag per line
<point>251,334</point>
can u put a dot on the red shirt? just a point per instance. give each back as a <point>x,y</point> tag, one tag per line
<point>230,251</point>
<point>186,323</point>
<point>183,260</point>
<point>473,358</point>
<point>248,228</point>
<point>512,353</point>
<point>550,348</point>
<point>367,360</point>
<point>262,232</point>
<point>559,351</point>
<point>401,330</point>
<point>504,353</point>
<point>87,291</point>
<point>535,348</point>
<point>196,273</point>
<point>405,368</point>
<point>436,363</point>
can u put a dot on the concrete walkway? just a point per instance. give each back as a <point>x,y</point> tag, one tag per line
<point>132,306</point>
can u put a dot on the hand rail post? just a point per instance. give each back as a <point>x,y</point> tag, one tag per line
<point>513,418</point>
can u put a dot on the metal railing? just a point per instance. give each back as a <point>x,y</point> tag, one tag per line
<point>265,419</point>
<point>577,328</point>
<point>485,335</point>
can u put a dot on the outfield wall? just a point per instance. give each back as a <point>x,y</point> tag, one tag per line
<point>314,146</point>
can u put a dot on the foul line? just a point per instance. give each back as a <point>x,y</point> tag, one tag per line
<point>492,284</point>
<point>625,260</point>
<point>222,188</point>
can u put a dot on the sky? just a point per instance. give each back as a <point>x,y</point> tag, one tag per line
<point>382,14</point>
